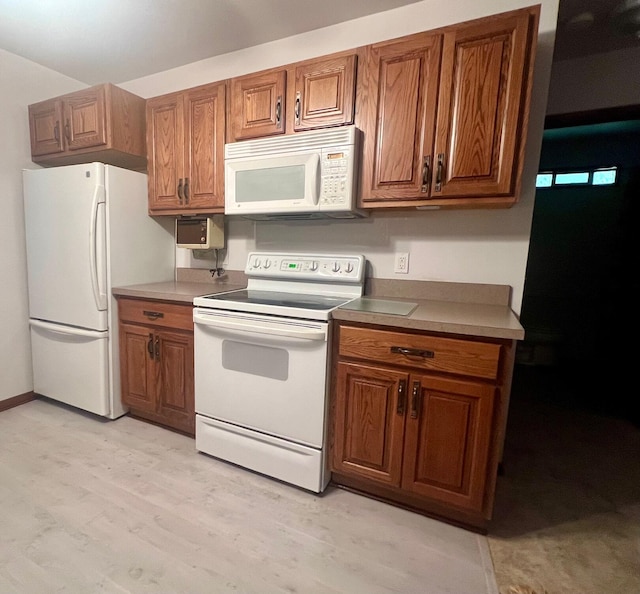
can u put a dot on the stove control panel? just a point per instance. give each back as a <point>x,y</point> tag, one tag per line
<point>320,267</point>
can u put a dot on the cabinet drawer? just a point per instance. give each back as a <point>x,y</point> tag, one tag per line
<point>156,313</point>
<point>447,355</point>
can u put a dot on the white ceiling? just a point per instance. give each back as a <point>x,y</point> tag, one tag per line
<point>94,41</point>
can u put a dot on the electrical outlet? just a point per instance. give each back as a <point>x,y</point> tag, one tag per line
<point>401,265</point>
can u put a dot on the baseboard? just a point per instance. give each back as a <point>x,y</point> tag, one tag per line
<point>16,400</point>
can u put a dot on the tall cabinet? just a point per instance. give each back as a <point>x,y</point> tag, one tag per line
<point>444,114</point>
<point>185,145</point>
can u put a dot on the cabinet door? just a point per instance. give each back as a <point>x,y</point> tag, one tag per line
<point>137,367</point>
<point>204,112</point>
<point>85,122</point>
<point>398,104</point>
<point>165,152</point>
<point>447,440</point>
<point>46,128</point>
<point>369,422</point>
<point>257,105</point>
<point>325,93</point>
<point>485,74</point>
<point>175,393</point>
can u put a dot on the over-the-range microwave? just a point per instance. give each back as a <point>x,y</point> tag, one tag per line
<point>304,176</point>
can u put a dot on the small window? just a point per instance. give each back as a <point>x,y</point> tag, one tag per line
<point>544,180</point>
<point>565,179</point>
<point>604,177</point>
<point>592,177</point>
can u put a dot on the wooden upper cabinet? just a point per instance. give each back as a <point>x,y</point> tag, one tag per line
<point>45,119</point>
<point>324,92</point>
<point>257,104</point>
<point>185,144</point>
<point>85,122</point>
<point>165,148</point>
<point>445,114</point>
<point>316,93</point>
<point>483,108</point>
<point>398,108</point>
<point>101,123</point>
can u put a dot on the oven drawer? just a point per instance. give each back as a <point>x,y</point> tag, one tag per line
<point>151,312</point>
<point>419,351</point>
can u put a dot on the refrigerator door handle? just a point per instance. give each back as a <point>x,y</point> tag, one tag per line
<point>100,298</point>
<point>69,330</point>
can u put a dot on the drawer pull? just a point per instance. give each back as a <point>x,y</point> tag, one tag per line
<point>415,396</point>
<point>153,315</point>
<point>402,394</point>
<point>412,352</point>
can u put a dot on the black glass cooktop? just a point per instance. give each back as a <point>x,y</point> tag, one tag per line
<point>280,299</point>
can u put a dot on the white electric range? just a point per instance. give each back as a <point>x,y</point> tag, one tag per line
<point>261,364</point>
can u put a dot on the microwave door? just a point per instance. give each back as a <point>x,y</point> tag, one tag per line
<point>274,184</point>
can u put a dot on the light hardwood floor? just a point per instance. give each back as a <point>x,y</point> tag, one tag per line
<point>88,505</point>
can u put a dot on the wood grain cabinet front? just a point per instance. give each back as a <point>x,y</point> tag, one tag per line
<point>185,144</point>
<point>417,428</point>
<point>321,93</point>
<point>102,123</point>
<point>445,113</point>
<point>156,362</point>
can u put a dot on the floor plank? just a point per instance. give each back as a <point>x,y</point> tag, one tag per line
<point>88,505</point>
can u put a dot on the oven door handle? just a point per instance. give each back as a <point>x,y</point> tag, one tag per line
<point>302,331</point>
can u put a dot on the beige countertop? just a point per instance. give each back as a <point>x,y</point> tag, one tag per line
<point>175,291</point>
<point>472,319</point>
<point>455,308</point>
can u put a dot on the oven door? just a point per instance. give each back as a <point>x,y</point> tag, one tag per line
<point>263,373</point>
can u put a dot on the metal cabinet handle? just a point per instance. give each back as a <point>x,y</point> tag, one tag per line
<point>186,190</point>
<point>402,395</point>
<point>180,194</point>
<point>152,315</point>
<point>426,164</point>
<point>156,345</point>
<point>415,397</point>
<point>412,352</point>
<point>279,112</point>
<point>297,109</point>
<point>150,345</point>
<point>56,131</point>
<point>439,172</point>
<point>67,130</point>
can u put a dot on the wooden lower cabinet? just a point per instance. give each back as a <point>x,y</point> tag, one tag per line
<point>156,362</point>
<point>420,438</point>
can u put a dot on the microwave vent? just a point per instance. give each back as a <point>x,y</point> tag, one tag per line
<point>300,141</point>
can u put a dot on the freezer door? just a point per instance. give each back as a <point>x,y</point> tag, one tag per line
<point>66,245</point>
<point>71,365</point>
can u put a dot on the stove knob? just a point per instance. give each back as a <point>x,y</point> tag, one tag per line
<point>267,264</point>
<point>313,266</point>
<point>349,267</point>
<point>256,263</point>
<point>335,267</point>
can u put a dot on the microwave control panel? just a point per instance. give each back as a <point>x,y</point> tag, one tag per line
<point>336,167</point>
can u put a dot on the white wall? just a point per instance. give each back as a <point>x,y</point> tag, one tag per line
<point>22,83</point>
<point>480,246</point>
<point>593,82</point>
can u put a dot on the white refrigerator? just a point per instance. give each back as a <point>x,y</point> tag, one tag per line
<point>87,230</point>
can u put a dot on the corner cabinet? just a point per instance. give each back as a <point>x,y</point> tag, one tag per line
<point>321,92</point>
<point>102,123</point>
<point>156,362</point>
<point>185,146</point>
<point>445,114</point>
<point>415,419</point>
